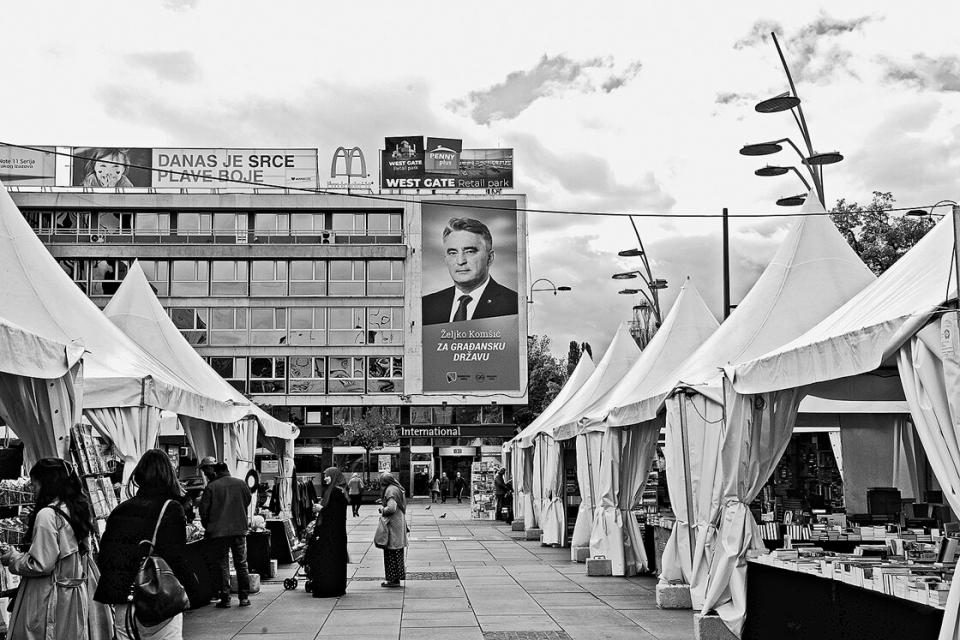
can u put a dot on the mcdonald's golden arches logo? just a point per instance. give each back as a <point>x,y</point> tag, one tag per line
<point>347,167</point>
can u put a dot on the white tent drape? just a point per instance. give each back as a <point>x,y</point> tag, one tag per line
<point>537,486</point>
<point>704,418</point>
<point>553,521</point>
<point>588,477</point>
<point>205,438</point>
<point>132,430</point>
<point>528,463</point>
<point>283,449</point>
<point>242,445</point>
<point>42,411</point>
<point>756,432</point>
<point>906,474</point>
<point>625,460</point>
<point>837,450</point>
<point>931,384</point>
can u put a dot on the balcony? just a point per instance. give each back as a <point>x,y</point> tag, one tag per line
<point>132,237</point>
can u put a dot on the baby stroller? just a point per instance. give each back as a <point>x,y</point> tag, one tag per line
<point>291,583</point>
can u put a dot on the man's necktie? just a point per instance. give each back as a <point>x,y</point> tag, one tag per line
<point>461,313</point>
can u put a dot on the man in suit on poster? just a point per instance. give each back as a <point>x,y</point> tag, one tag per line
<point>468,253</point>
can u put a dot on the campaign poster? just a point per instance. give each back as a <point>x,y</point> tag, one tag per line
<point>486,169</point>
<point>470,305</point>
<point>36,167</point>
<point>443,156</point>
<point>114,167</point>
<point>225,168</point>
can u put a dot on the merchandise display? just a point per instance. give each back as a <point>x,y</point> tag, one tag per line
<point>483,500</point>
<point>92,467</point>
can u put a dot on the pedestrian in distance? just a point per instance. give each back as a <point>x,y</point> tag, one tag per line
<point>459,485</point>
<point>435,489</point>
<point>53,600</point>
<point>355,489</point>
<point>393,528</point>
<point>327,547</point>
<point>444,487</point>
<point>121,551</point>
<point>500,490</point>
<point>223,514</point>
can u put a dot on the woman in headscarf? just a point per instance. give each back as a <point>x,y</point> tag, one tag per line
<point>394,511</point>
<point>327,549</point>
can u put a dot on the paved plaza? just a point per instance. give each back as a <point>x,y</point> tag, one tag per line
<point>467,579</point>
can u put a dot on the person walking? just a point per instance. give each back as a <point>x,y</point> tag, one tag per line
<point>444,487</point>
<point>435,489</point>
<point>223,514</point>
<point>394,520</point>
<point>500,490</point>
<point>53,598</point>
<point>157,492</point>
<point>355,490</point>
<point>327,547</point>
<point>459,484</point>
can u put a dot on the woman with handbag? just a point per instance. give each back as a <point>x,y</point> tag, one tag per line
<point>327,548</point>
<point>391,534</point>
<point>154,513</point>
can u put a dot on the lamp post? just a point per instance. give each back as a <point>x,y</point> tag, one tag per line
<point>653,285</point>
<point>812,161</point>
<point>921,213</point>
<point>553,288</point>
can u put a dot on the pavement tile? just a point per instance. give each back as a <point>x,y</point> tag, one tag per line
<point>528,622</point>
<point>438,619</point>
<point>579,599</point>
<point>441,633</point>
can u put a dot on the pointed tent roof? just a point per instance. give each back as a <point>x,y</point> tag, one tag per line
<point>38,296</point>
<point>872,325</point>
<point>135,309</point>
<point>619,357</point>
<point>812,273</point>
<point>581,373</point>
<point>24,353</point>
<point>685,328</point>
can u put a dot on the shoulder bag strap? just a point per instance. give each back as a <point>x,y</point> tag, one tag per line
<point>156,529</point>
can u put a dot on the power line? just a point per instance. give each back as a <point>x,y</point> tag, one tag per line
<point>464,205</point>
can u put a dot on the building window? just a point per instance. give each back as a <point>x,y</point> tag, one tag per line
<point>228,326</point>
<point>268,278</point>
<point>421,415</point>
<point>107,274</point>
<point>306,224</point>
<point>308,326</point>
<point>229,224</point>
<point>77,270</point>
<point>345,325</point>
<point>350,223</point>
<point>385,325</point>
<point>192,323</point>
<point>70,222</point>
<point>347,415</point>
<point>268,375</point>
<point>308,278</point>
<point>385,224</point>
<point>308,374</point>
<point>229,278</point>
<point>385,374</point>
<point>346,374</point>
<point>272,224</point>
<point>114,223</point>
<point>158,275</point>
<point>390,415</point>
<point>491,415</point>
<point>468,414</point>
<point>268,326</point>
<point>153,224</point>
<point>194,224</point>
<point>347,277</point>
<point>40,221</point>
<point>385,278</point>
<point>233,370</point>
<point>190,278</point>
<point>443,415</point>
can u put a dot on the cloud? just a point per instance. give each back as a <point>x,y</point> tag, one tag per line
<point>180,5</point>
<point>550,76</point>
<point>925,72</point>
<point>175,66</point>
<point>759,34</point>
<point>734,97</point>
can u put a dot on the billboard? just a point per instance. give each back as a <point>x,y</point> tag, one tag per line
<point>36,167</point>
<point>470,306</point>
<point>443,164</point>
<point>208,168</point>
<point>442,156</point>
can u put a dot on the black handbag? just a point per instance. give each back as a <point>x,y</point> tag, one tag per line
<point>156,594</point>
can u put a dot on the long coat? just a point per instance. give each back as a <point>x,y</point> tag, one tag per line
<point>327,549</point>
<point>394,512</point>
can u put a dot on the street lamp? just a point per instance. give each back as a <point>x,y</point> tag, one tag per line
<point>653,285</point>
<point>812,160</point>
<point>928,213</point>
<point>553,288</point>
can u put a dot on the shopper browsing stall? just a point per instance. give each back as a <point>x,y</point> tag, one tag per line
<point>223,513</point>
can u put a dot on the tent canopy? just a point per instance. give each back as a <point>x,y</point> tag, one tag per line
<point>581,373</point>
<point>24,353</point>
<point>617,360</point>
<point>685,328</point>
<point>135,309</point>
<point>861,335</point>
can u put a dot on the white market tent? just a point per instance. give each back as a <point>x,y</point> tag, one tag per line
<point>813,272</point>
<point>614,461</point>
<point>124,387</point>
<point>135,309</point>
<point>40,387</point>
<point>904,318</point>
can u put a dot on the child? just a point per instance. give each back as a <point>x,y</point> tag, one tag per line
<point>107,168</point>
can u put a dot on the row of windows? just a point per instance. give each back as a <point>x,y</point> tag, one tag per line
<point>440,415</point>
<point>191,278</point>
<point>311,374</point>
<point>294,326</point>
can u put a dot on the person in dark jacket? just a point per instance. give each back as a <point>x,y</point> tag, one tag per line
<point>459,486</point>
<point>444,487</point>
<point>500,489</point>
<point>133,521</point>
<point>327,548</point>
<point>223,513</point>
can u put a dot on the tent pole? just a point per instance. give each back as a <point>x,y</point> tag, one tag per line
<point>688,485</point>
<point>956,244</point>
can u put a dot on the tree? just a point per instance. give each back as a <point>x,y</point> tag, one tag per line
<point>546,375</point>
<point>573,357</point>
<point>370,432</point>
<point>878,237</point>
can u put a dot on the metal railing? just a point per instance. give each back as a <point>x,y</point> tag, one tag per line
<point>361,237</point>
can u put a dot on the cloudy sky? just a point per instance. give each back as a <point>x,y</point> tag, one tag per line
<point>611,106</point>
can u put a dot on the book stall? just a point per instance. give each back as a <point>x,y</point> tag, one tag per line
<point>483,499</point>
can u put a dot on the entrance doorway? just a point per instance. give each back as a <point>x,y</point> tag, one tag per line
<point>420,478</point>
<point>450,466</point>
